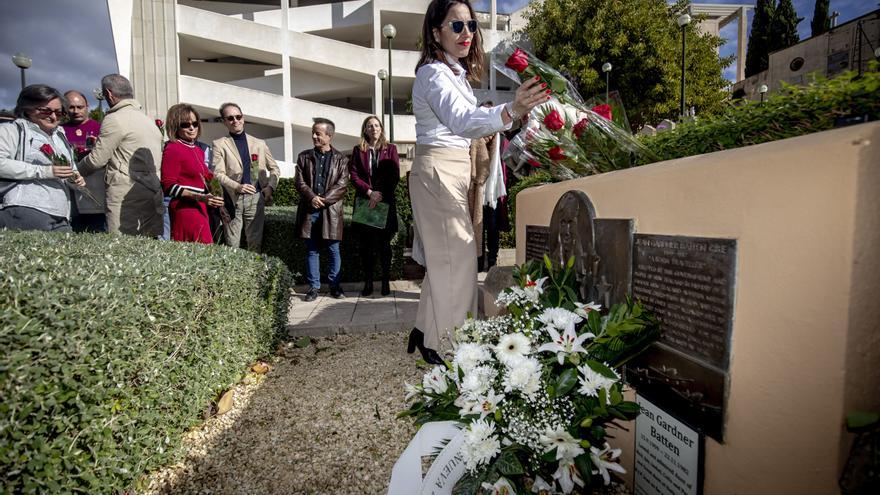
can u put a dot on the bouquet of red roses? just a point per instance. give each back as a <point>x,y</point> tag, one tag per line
<point>520,64</point>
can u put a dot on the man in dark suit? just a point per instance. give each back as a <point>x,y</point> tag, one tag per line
<point>321,179</point>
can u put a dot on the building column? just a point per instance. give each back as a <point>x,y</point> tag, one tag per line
<point>741,40</point>
<point>154,55</point>
<point>286,82</point>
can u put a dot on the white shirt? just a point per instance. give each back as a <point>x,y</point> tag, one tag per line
<point>446,109</point>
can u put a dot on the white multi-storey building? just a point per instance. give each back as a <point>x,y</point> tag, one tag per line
<point>283,63</point>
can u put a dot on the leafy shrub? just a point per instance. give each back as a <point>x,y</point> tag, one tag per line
<point>794,111</point>
<point>112,346</point>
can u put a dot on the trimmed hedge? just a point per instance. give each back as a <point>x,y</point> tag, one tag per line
<point>112,346</point>
<point>794,111</point>
<point>280,238</point>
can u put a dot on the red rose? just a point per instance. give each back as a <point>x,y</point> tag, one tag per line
<point>534,163</point>
<point>47,150</point>
<point>580,127</point>
<point>209,176</point>
<point>254,157</point>
<point>518,60</point>
<point>159,123</point>
<point>554,121</point>
<point>556,154</point>
<point>603,110</point>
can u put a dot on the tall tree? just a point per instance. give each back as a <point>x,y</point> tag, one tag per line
<point>757,56</point>
<point>642,41</point>
<point>783,32</point>
<point>821,22</point>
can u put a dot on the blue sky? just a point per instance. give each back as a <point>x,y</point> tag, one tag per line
<point>72,47</point>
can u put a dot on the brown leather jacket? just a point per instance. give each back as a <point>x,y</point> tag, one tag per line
<point>334,196</point>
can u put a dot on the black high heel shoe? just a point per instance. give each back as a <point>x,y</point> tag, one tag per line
<point>368,289</point>
<point>430,356</point>
<point>416,340</point>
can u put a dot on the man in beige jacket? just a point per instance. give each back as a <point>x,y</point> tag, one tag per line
<point>130,147</point>
<point>246,169</point>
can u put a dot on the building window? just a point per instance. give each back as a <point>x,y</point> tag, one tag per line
<point>796,64</point>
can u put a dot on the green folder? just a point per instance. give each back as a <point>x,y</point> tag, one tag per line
<point>374,217</point>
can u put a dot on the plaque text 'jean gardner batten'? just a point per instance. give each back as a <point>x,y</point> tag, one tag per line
<point>688,282</point>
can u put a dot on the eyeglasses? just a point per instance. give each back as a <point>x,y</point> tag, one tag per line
<point>458,26</point>
<point>187,125</point>
<point>46,111</point>
<point>231,118</point>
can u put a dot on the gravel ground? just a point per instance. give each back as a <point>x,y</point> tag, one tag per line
<point>321,421</point>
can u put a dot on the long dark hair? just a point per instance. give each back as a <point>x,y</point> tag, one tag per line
<point>35,95</point>
<point>433,51</point>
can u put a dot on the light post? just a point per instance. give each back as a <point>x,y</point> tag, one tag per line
<point>99,95</point>
<point>390,32</point>
<point>23,62</point>
<point>383,74</point>
<point>606,68</point>
<point>763,90</point>
<point>683,21</point>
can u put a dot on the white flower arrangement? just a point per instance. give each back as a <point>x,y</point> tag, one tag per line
<point>536,389</point>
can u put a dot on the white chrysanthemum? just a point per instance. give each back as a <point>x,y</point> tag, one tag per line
<point>480,444</point>
<point>435,380</point>
<point>524,375</point>
<point>468,356</point>
<point>567,447</point>
<point>512,347</point>
<point>559,318</point>
<point>583,310</point>
<point>477,381</point>
<point>603,461</point>
<point>591,382</point>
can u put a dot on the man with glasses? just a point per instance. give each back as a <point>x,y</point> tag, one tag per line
<point>247,171</point>
<point>130,147</point>
<point>82,133</point>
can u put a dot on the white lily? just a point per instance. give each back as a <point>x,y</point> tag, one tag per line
<point>567,475</point>
<point>512,347</point>
<point>489,404</point>
<point>566,343</point>
<point>541,487</point>
<point>501,487</point>
<point>411,391</point>
<point>567,447</point>
<point>534,289</point>
<point>583,310</point>
<point>602,461</point>
<point>591,382</point>
<point>435,380</point>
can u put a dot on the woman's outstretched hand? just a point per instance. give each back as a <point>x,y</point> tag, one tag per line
<point>530,93</point>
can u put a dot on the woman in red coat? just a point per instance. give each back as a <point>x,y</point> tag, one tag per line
<point>184,177</point>
<point>375,172</point>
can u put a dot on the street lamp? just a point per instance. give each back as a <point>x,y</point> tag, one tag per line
<point>382,75</point>
<point>683,21</point>
<point>606,68</point>
<point>763,90</point>
<point>390,32</point>
<point>99,95</point>
<point>23,62</point>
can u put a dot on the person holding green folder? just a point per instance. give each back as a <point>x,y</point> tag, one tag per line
<point>375,171</point>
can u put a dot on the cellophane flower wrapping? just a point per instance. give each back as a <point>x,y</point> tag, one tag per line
<point>537,389</point>
<point>595,135</point>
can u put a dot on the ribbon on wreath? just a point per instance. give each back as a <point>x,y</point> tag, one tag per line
<point>446,470</point>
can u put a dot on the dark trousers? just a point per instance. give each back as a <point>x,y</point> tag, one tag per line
<point>491,238</point>
<point>24,218</point>
<point>374,241</point>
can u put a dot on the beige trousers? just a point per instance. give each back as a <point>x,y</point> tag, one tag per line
<point>438,188</point>
<point>249,216</point>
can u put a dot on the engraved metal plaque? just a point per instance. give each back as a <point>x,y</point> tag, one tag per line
<point>572,234</point>
<point>614,238</point>
<point>688,282</point>
<point>537,242</point>
<point>691,391</point>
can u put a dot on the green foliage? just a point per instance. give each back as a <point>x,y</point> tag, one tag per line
<point>783,32</point>
<point>642,41</point>
<point>758,51</point>
<point>821,22</point>
<point>508,237</point>
<point>112,346</point>
<point>794,111</point>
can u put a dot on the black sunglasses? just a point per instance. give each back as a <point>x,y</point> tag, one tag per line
<point>232,118</point>
<point>458,26</point>
<point>187,125</point>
